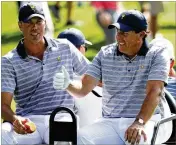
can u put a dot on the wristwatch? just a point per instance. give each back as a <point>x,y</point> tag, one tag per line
<point>140,120</point>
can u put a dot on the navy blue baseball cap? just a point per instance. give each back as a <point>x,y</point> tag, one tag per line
<point>130,20</point>
<point>30,10</point>
<point>75,36</point>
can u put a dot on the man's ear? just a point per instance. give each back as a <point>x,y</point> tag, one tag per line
<point>172,63</point>
<point>142,34</point>
<point>20,26</point>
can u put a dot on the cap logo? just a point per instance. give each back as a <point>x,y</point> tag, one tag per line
<point>32,7</point>
<point>123,16</point>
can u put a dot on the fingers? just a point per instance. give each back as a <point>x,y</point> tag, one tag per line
<point>61,80</point>
<point>131,135</point>
<point>66,74</point>
<point>134,133</point>
<point>126,136</point>
<point>134,136</point>
<point>144,135</point>
<point>63,69</point>
<point>19,127</point>
<point>58,81</point>
<point>59,76</point>
<point>138,138</point>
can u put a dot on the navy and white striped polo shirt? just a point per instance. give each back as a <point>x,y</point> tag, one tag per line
<point>124,81</point>
<point>31,80</point>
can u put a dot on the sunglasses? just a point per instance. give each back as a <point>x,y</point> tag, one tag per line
<point>84,47</point>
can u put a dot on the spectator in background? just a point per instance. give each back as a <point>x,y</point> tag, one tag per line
<point>151,10</point>
<point>107,13</point>
<point>86,114</point>
<point>56,12</point>
<point>77,38</point>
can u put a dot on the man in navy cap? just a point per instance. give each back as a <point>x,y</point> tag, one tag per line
<point>77,38</point>
<point>133,77</point>
<point>27,77</point>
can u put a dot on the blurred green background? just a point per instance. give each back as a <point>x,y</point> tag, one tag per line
<point>10,34</point>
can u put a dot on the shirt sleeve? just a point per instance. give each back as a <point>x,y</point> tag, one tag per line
<point>8,82</point>
<point>80,62</point>
<point>95,67</point>
<point>160,66</point>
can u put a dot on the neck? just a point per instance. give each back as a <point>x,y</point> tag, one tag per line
<point>172,73</point>
<point>35,49</point>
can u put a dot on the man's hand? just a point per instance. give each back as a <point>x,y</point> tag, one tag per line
<point>23,125</point>
<point>61,79</point>
<point>134,132</point>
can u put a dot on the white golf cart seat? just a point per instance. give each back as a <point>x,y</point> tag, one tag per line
<point>89,107</point>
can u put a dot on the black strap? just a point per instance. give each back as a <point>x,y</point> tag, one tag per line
<point>96,93</point>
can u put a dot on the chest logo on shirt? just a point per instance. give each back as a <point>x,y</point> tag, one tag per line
<point>141,67</point>
<point>58,58</point>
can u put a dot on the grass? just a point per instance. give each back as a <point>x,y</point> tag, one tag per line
<point>10,34</point>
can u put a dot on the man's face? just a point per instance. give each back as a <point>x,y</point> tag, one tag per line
<point>33,30</point>
<point>128,42</point>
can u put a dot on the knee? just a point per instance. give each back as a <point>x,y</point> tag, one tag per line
<point>83,137</point>
<point>7,138</point>
<point>3,137</point>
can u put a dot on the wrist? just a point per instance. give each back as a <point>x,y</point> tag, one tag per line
<point>14,118</point>
<point>140,121</point>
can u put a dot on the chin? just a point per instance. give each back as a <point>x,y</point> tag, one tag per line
<point>37,39</point>
<point>121,49</point>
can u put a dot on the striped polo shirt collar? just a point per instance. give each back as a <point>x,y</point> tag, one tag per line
<point>21,50</point>
<point>142,52</point>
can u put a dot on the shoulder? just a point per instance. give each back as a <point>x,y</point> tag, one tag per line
<point>108,49</point>
<point>60,45</point>
<point>157,45</point>
<point>158,49</point>
<point>10,55</point>
<point>57,42</point>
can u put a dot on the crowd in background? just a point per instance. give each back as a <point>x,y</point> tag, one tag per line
<point>106,12</point>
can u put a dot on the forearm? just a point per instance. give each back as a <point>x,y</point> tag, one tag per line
<point>82,88</point>
<point>7,113</point>
<point>75,89</point>
<point>149,105</point>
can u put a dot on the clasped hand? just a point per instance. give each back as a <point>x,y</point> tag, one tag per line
<point>19,125</point>
<point>134,132</point>
<point>61,79</point>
